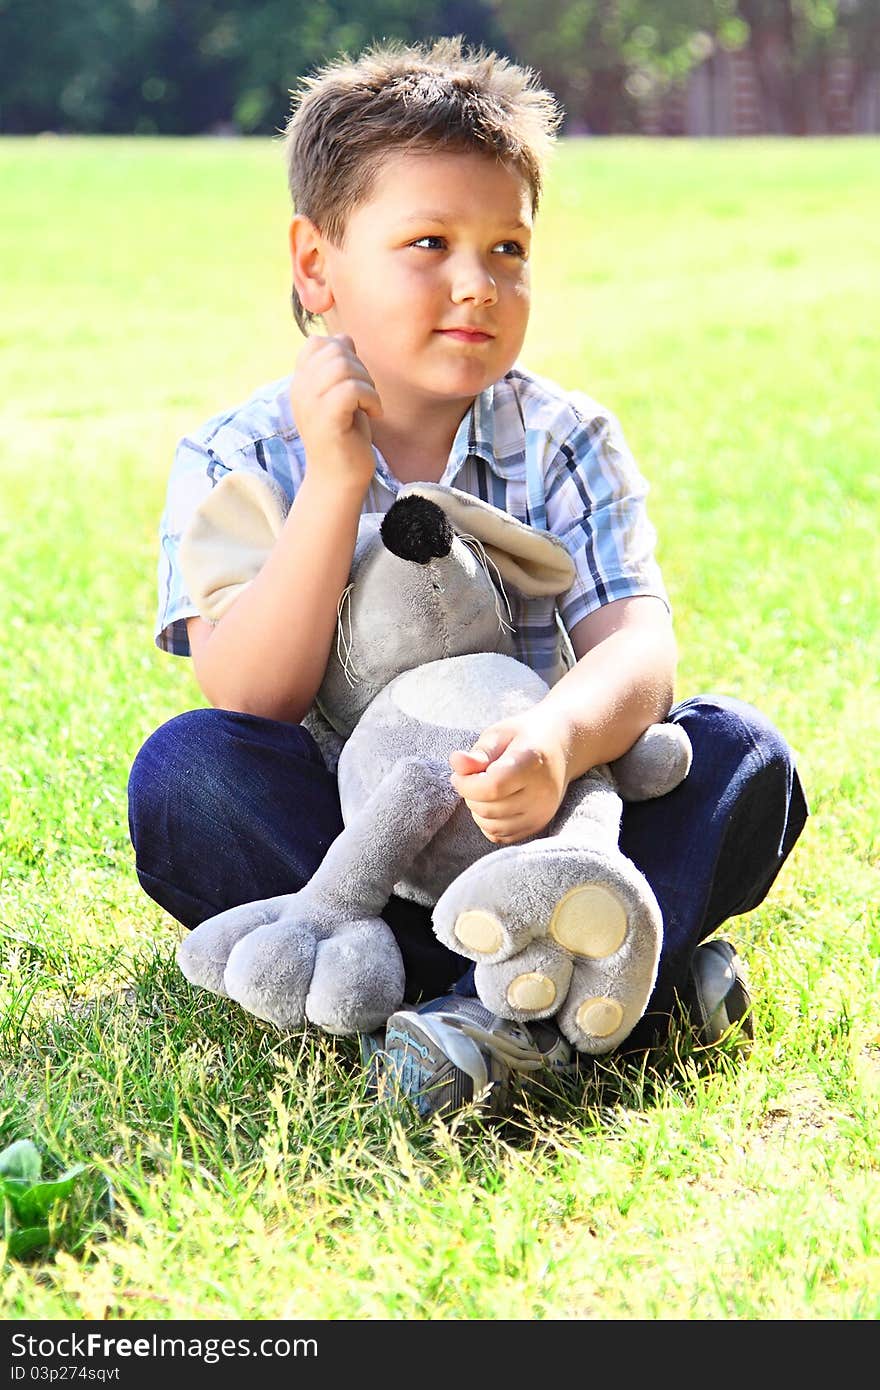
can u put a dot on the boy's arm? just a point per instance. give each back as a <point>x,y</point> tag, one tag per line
<point>267,655</point>
<point>622,682</point>
<point>515,776</point>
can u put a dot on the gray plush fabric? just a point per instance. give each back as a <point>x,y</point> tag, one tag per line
<point>562,924</point>
<point>656,763</point>
<point>419,715</point>
<point>442,609</point>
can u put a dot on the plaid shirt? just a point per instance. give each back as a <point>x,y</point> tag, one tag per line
<point>551,458</point>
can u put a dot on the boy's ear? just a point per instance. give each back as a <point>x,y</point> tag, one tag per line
<point>308,263</point>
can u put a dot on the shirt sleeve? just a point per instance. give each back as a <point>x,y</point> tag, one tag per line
<point>595,501</point>
<point>193,474</point>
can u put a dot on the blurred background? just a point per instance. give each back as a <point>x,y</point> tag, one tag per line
<point>646,67</point>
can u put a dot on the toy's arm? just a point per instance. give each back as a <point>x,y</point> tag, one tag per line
<point>655,764</point>
<point>378,844</point>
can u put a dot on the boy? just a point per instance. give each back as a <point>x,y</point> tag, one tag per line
<point>415,175</point>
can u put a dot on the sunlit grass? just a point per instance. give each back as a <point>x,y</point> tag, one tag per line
<point>723,299</point>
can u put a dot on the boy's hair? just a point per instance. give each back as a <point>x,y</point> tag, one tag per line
<point>351,115</point>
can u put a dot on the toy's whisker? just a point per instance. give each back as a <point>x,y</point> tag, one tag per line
<point>343,638</point>
<point>486,561</point>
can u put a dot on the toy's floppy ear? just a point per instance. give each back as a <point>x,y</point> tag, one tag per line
<point>534,562</point>
<point>229,538</point>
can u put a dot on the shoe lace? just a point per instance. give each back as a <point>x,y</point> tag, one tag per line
<point>519,1055</point>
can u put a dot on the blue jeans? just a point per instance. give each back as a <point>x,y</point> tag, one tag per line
<point>226,808</point>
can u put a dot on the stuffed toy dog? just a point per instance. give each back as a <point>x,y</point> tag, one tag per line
<point>562,924</point>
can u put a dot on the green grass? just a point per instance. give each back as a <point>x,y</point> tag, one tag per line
<point>723,299</point>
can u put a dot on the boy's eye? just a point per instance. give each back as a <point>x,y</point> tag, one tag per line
<point>512,248</point>
<point>437,243</point>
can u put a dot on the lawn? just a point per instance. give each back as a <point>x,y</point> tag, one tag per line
<point>723,299</point>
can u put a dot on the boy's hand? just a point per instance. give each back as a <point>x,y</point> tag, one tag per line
<point>514,777</point>
<point>332,396</point>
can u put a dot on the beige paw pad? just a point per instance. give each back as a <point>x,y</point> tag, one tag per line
<point>599,1017</point>
<point>479,931</point>
<point>589,921</point>
<point>532,991</point>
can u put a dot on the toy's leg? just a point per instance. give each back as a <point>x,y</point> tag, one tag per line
<point>327,956</point>
<point>563,925</point>
<point>224,806</point>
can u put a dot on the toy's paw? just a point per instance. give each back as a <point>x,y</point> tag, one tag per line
<point>291,960</point>
<point>269,972</point>
<point>345,980</point>
<point>560,930</point>
<point>203,954</point>
<point>358,980</point>
<point>657,762</point>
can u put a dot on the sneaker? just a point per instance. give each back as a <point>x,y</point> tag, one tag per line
<point>371,1049</point>
<point>451,1051</point>
<point>717,998</point>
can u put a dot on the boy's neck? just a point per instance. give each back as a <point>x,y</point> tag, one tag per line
<point>416,443</point>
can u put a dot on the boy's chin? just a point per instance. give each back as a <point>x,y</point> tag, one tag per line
<point>458,391</point>
<point>467,378</point>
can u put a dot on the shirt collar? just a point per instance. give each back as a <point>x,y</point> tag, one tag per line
<point>474,436</point>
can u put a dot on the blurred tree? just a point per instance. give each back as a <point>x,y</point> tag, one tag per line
<point>112,65</point>
<point>281,41</point>
<point>793,44</point>
<point>56,62</point>
<point>184,66</point>
<point>601,56</point>
<point>604,57</point>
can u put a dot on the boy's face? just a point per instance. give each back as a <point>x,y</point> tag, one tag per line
<point>432,279</point>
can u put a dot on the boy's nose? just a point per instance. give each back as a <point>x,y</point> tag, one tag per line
<point>473,282</point>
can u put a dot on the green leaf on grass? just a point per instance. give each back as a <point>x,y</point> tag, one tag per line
<point>27,1199</point>
<point>24,1241</point>
<point>21,1160</point>
<point>38,1199</point>
<point>14,1189</point>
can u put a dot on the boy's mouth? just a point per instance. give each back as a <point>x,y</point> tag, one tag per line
<point>466,335</point>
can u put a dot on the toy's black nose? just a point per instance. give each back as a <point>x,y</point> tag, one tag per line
<point>417,529</point>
